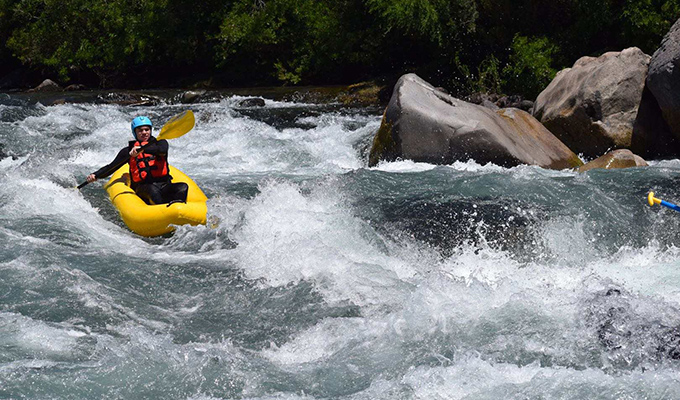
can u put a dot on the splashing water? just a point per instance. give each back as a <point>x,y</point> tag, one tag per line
<point>324,278</point>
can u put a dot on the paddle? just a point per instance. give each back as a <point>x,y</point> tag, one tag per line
<point>653,200</point>
<point>177,126</point>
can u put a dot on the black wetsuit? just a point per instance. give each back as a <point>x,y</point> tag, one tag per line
<point>153,190</point>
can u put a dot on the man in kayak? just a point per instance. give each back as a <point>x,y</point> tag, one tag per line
<point>148,167</point>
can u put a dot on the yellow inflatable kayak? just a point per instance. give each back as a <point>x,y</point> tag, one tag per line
<point>155,220</point>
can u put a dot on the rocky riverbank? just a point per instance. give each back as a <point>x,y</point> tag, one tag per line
<point>623,100</point>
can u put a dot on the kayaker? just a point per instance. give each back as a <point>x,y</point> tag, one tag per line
<point>148,168</point>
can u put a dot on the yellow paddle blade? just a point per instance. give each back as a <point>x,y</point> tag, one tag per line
<point>652,200</point>
<point>177,126</point>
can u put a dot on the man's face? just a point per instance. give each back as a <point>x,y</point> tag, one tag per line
<point>143,133</point>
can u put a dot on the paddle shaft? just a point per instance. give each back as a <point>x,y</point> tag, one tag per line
<point>670,205</point>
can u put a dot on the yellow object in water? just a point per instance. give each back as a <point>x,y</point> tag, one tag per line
<point>155,220</point>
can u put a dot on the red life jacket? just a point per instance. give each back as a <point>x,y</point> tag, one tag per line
<point>147,167</point>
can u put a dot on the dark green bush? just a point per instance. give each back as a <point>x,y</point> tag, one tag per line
<point>505,46</point>
<point>530,69</point>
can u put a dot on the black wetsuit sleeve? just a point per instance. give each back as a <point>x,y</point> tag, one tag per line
<point>123,154</point>
<point>159,148</point>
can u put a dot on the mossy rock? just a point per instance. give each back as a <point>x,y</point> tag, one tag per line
<point>361,94</point>
<point>385,147</point>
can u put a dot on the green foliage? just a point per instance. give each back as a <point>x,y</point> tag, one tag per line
<point>105,37</point>
<point>488,77</point>
<point>433,21</point>
<point>530,70</point>
<point>646,21</point>
<point>288,39</point>
<point>510,45</point>
<point>69,34</point>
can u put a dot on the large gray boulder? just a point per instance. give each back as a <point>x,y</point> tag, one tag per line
<point>424,124</point>
<point>652,137</point>
<point>663,79</point>
<point>591,107</point>
<point>657,126</point>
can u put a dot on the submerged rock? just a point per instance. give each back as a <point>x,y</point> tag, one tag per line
<point>192,96</point>
<point>448,225</point>
<point>75,87</point>
<point>197,96</point>
<point>424,124</point>
<point>631,338</point>
<point>4,153</point>
<point>622,158</point>
<point>252,102</point>
<point>591,106</point>
<point>129,99</point>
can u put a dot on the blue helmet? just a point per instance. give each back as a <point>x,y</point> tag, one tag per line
<point>140,121</point>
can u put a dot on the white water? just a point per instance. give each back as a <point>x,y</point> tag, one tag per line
<point>326,279</point>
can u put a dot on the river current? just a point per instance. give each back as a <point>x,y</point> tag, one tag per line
<point>321,278</point>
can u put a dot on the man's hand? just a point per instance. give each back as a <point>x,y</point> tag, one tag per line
<point>91,178</point>
<point>135,151</point>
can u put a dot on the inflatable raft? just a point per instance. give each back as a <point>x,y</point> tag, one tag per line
<point>155,220</point>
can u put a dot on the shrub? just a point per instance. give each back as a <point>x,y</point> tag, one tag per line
<point>529,69</point>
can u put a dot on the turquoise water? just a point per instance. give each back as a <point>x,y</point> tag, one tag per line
<point>326,279</point>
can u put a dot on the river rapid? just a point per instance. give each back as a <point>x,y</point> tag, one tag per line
<point>321,278</point>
